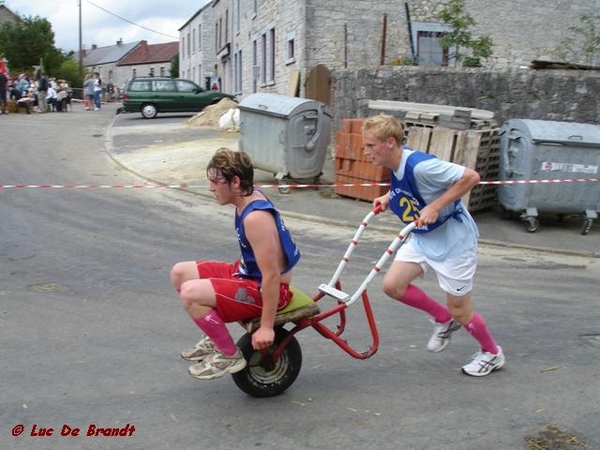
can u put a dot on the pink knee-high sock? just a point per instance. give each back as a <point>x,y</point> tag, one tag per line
<point>416,298</point>
<point>479,330</point>
<point>214,327</point>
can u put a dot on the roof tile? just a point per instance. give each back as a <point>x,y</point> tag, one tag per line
<point>147,54</point>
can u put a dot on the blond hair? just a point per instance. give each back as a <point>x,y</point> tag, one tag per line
<point>384,126</point>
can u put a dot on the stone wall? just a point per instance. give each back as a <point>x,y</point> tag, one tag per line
<point>563,95</point>
<point>350,34</point>
<point>357,34</point>
<point>522,30</point>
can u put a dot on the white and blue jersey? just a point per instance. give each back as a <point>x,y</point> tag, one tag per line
<point>418,181</point>
<point>248,266</point>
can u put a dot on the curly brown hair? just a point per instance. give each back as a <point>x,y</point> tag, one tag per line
<point>227,163</point>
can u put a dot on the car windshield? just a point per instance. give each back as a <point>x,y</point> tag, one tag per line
<point>186,86</point>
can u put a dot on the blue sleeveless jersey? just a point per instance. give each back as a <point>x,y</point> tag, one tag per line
<point>248,266</point>
<point>405,200</point>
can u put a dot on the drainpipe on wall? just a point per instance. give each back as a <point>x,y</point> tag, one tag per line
<point>383,42</point>
<point>410,36</point>
<point>345,46</point>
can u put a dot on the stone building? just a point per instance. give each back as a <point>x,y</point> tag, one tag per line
<point>7,15</point>
<point>147,60</point>
<point>270,45</point>
<point>120,62</point>
<point>104,60</point>
<point>197,53</point>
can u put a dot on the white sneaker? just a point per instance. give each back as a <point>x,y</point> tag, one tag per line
<point>440,339</point>
<point>217,365</point>
<point>200,351</point>
<point>484,363</point>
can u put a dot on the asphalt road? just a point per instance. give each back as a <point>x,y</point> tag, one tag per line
<point>90,330</point>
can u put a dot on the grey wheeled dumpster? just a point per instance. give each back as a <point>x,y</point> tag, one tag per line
<point>552,165</point>
<point>287,136</point>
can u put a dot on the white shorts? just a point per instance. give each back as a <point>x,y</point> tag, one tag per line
<point>455,275</point>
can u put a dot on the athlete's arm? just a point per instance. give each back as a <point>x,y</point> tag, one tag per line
<point>382,201</point>
<point>261,232</point>
<point>430,213</point>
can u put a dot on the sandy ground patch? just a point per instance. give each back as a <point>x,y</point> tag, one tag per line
<point>183,162</point>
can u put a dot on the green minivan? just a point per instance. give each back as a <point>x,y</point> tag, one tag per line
<point>153,95</point>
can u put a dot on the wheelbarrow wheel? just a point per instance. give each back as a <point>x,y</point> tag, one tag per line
<point>264,377</point>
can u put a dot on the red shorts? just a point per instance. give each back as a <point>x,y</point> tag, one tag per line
<point>238,298</point>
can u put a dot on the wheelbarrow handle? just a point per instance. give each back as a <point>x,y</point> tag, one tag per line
<point>398,241</point>
<point>352,245</point>
<point>408,229</point>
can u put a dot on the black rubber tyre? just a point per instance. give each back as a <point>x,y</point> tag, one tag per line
<point>533,224</point>
<point>505,214</point>
<point>587,226</point>
<point>149,111</point>
<point>264,377</point>
<point>284,189</point>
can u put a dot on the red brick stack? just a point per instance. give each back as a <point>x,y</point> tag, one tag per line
<point>353,167</point>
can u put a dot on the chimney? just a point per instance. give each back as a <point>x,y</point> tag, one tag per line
<point>120,41</point>
<point>94,46</point>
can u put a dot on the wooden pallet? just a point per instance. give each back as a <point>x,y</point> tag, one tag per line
<point>477,149</point>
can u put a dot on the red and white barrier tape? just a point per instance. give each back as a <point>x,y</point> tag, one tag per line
<point>90,186</point>
<point>263,186</point>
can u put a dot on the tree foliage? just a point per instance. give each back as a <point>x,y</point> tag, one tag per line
<point>69,70</point>
<point>174,71</point>
<point>29,43</point>
<point>460,37</point>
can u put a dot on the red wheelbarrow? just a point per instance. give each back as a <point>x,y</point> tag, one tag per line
<point>270,372</point>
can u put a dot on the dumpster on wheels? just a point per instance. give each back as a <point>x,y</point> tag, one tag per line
<point>549,160</point>
<point>287,136</point>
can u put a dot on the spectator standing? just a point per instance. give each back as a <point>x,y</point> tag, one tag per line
<point>3,85</point>
<point>97,92</point>
<point>88,91</point>
<point>42,93</point>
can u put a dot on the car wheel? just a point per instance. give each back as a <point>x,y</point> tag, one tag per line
<point>149,111</point>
